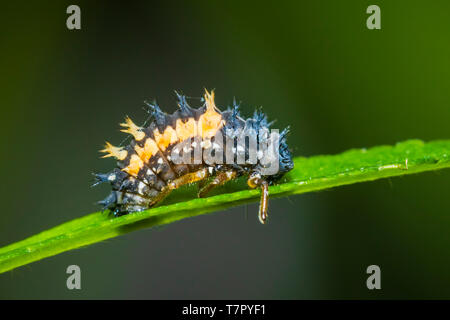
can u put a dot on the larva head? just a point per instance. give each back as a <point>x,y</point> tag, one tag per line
<point>285,162</point>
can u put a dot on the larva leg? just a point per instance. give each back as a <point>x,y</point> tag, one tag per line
<point>165,191</point>
<point>254,182</point>
<point>264,203</point>
<point>181,181</point>
<point>203,183</point>
<point>218,180</point>
<point>188,178</point>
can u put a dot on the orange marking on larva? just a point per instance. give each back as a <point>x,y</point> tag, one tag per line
<point>133,129</point>
<point>168,137</point>
<point>140,152</point>
<point>186,130</point>
<point>150,148</point>
<point>211,121</point>
<point>134,166</point>
<point>112,151</point>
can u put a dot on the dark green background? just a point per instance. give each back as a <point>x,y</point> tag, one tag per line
<point>311,64</point>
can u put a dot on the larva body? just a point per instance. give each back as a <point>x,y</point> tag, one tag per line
<point>193,145</point>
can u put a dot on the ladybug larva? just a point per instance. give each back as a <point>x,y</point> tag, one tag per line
<point>193,145</point>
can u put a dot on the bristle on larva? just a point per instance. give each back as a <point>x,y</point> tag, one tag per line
<point>112,151</point>
<point>133,129</point>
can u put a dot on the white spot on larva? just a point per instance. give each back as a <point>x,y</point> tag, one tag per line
<point>149,172</point>
<point>112,177</point>
<point>160,160</point>
<point>141,187</point>
<point>194,144</point>
<point>169,158</point>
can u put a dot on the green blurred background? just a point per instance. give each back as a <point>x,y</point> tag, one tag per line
<point>311,64</point>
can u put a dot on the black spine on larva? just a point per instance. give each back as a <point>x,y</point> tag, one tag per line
<point>100,178</point>
<point>235,116</point>
<point>109,201</point>
<point>114,178</point>
<point>185,110</point>
<point>159,116</point>
<point>233,121</point>
<point>284,152</point>
<point>261,120</point>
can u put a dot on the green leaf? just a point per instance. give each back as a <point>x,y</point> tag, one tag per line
<point>309,174</point>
